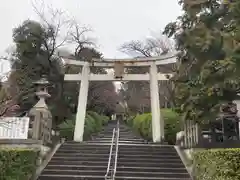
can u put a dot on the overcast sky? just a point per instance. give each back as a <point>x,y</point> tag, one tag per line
<point>113,21</point>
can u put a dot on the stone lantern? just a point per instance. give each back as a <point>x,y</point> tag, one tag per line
<point>40,116</point>
<point>42,92</point>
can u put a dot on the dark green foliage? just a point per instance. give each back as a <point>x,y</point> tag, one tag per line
<point>17,164</point>
<point>93,124</point>
<point>66,128</point>
<point>171,125</point>
<point>32,59</point>
<point>35,55</point>
<point>129,120</point>
<point>217,164</point>
<point>207,38</point>
<point>142,124</point>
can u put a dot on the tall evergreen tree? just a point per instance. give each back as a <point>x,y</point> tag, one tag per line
<point>207,38</point>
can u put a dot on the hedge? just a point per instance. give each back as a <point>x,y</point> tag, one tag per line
<point>217,164</point>
<point>93,124</point>
<point>143,125</point>
<point>17,164</point>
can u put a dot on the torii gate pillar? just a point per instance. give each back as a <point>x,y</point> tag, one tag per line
<point>157,122</point>
<point>82,104</point>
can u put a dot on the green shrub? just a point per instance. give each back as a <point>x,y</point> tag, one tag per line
<point>171,125</point>
<point>217,164</point>
<point>93,124</point>
<point>129,120</point>
<point>105,119</point>
<point>143,125</point>
<point>66,129</point>
<point>17,164</point>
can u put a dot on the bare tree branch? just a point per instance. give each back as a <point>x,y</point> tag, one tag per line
<point>55,22</point>
<point>155,45</point>
<point>152,46</point>
<point>78,36</point>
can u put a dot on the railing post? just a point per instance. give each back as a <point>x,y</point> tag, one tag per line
<point>110,154</point>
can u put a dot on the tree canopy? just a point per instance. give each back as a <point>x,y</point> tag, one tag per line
<point>36,55</point>
<point>207,38</point>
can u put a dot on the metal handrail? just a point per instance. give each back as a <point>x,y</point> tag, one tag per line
<point>110,155</point>
<point>116,152</point>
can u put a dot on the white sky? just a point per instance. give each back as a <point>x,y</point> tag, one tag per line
<point>113,21</point>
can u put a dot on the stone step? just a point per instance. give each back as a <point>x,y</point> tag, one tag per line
<point>90,146</point>
<point>107,143</point>
<point>124,137</point>
<point>120,138</point>
<point>151,169</point>
<point>120,159</point>
<point>93,150</point>
<point>141,152</point>
<point>164,164</point>
<point>76,167</point>
<point>80,158</point>
<point>146,146</point>
<point>69,177</point>
<point>148,156</point>
<point>103,136</point>
<point>121,151</point>
<point>119,168</point>
<point>144,150</point>
<point>152,174</point>
<point>148,178</point>
<point>126,132</point>
<point>80,154</point>
<point>76,172</point>
<point>85,163</point>
<point>120,141</point>
<point>148,160</point>
<point>120,134</point>
<point>82,144</point>
<point>102,151</point>
<point>119,173</point>
<point>154,155</point>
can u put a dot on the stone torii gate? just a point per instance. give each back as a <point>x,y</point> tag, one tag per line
<point>118,64</point>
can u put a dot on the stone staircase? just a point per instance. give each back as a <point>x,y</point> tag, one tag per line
<point>77,161</point>
<point>148,161</point>
<point>136,159</point>
<point>126,134</point>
